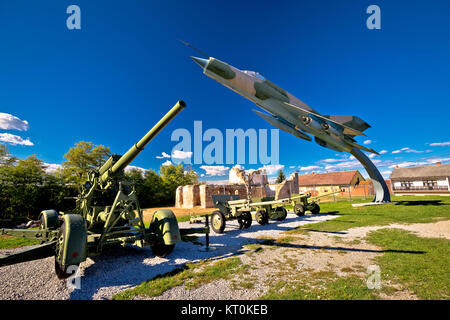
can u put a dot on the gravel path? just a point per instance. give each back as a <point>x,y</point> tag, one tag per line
<point>123,268</point>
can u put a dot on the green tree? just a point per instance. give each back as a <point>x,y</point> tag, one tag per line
<point>82,158</point>
<point>173,176</point>
<point>6,159</point>
<point>281,177</point>
<point>153,194</point>
<point>22,187</point>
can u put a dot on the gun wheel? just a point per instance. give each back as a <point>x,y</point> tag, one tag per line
<point>315,209</point>
<point>218,222</point>
<point>245,220</point>
<point>299,210</point>
<point>281,212</point>
<point>62,271</point>
<point>162,250</point>
<point>262,217</point>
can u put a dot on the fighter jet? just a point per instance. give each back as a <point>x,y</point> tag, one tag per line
<point>285,111</point>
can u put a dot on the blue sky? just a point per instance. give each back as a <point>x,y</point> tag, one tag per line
<point>112,80</point>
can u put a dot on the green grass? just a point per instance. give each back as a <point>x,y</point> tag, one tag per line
<point>405,209</point>
<point>425,273</point>
<point>191,275</point>
<point>7,242</point>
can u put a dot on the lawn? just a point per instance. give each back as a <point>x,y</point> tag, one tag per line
<point>404,209</point>
<point>8,242</point>
<point>420,264</point>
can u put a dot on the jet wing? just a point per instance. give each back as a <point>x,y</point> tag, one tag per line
<point>298,111</point>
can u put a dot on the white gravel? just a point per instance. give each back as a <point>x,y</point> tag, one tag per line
<point>122,268</point>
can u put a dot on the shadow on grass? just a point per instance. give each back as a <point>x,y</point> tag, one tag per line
<point>331,212</point>
<point>321,231</point>
<point>302,246</point>
<point>420,203</point>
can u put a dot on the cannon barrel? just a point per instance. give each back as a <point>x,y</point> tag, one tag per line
<point>126,159</point>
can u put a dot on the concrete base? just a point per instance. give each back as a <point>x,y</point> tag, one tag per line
<point>369,204</point>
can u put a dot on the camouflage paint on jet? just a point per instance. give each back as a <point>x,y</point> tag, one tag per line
<point>287,112</point>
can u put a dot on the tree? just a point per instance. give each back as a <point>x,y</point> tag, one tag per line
<point>153,188</point>
<point>82,158</point>
<point>6,159</point>
<point>173,176</point>
<point>281,177</point>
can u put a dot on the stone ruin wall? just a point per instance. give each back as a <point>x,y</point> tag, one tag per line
<point>199,195</point>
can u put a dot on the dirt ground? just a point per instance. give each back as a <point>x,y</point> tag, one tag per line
<point>346,254</point>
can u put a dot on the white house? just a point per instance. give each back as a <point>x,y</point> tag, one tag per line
<point>421,180</point>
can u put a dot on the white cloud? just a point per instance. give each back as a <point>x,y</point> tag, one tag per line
<point>409,150</point>
<point>272,180</point>
<point>167,163</point>
<point>386,174</point>
<point>344,165</point>
<point>408,164</point>
<point>178,154</point>
<point>333,160</point>
<point>10,122</point>
<point>129,168</point>
<point>309,168</point>
<point>419,163</point>
<point>383,151</point>
<point>367,141</point>
<point>272,168</point>
<point>51,167</point>
<point>434,160</point>
<point>215,170</point>
<point>440,144</point>
<point>163,155</point>
<point>372,155</point>
<point>15,140</point>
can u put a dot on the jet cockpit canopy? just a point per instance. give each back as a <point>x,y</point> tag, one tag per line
<point>254,74</point>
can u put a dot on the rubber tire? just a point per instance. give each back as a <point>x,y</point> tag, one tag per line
<point>220,219</point>
<point>299,210</point>
<point>245,220</point>
<point>262,217</point>
<point>284,213</point>
<point>162,250</point>
<point>55,225</point>
<point>61,270</point>
<point>315,208</point>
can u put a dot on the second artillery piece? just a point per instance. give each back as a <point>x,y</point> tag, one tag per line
<point>107,212</point>
<point>231,208</point>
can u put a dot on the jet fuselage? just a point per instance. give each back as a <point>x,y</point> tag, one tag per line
<point>287,112</point>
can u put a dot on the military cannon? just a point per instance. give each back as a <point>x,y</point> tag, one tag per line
<point>262,209</point>
<point>107,212</point>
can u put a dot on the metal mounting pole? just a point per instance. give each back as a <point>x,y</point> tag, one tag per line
<point>379,185</point>
<point>207,247</point>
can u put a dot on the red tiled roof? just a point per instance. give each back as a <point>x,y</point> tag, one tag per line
<point>327,179</point>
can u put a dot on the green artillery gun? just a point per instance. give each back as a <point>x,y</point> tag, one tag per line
<point>107,212</point>
<point>232,208</point>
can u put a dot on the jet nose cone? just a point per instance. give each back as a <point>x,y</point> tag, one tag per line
<point>201,62</point>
